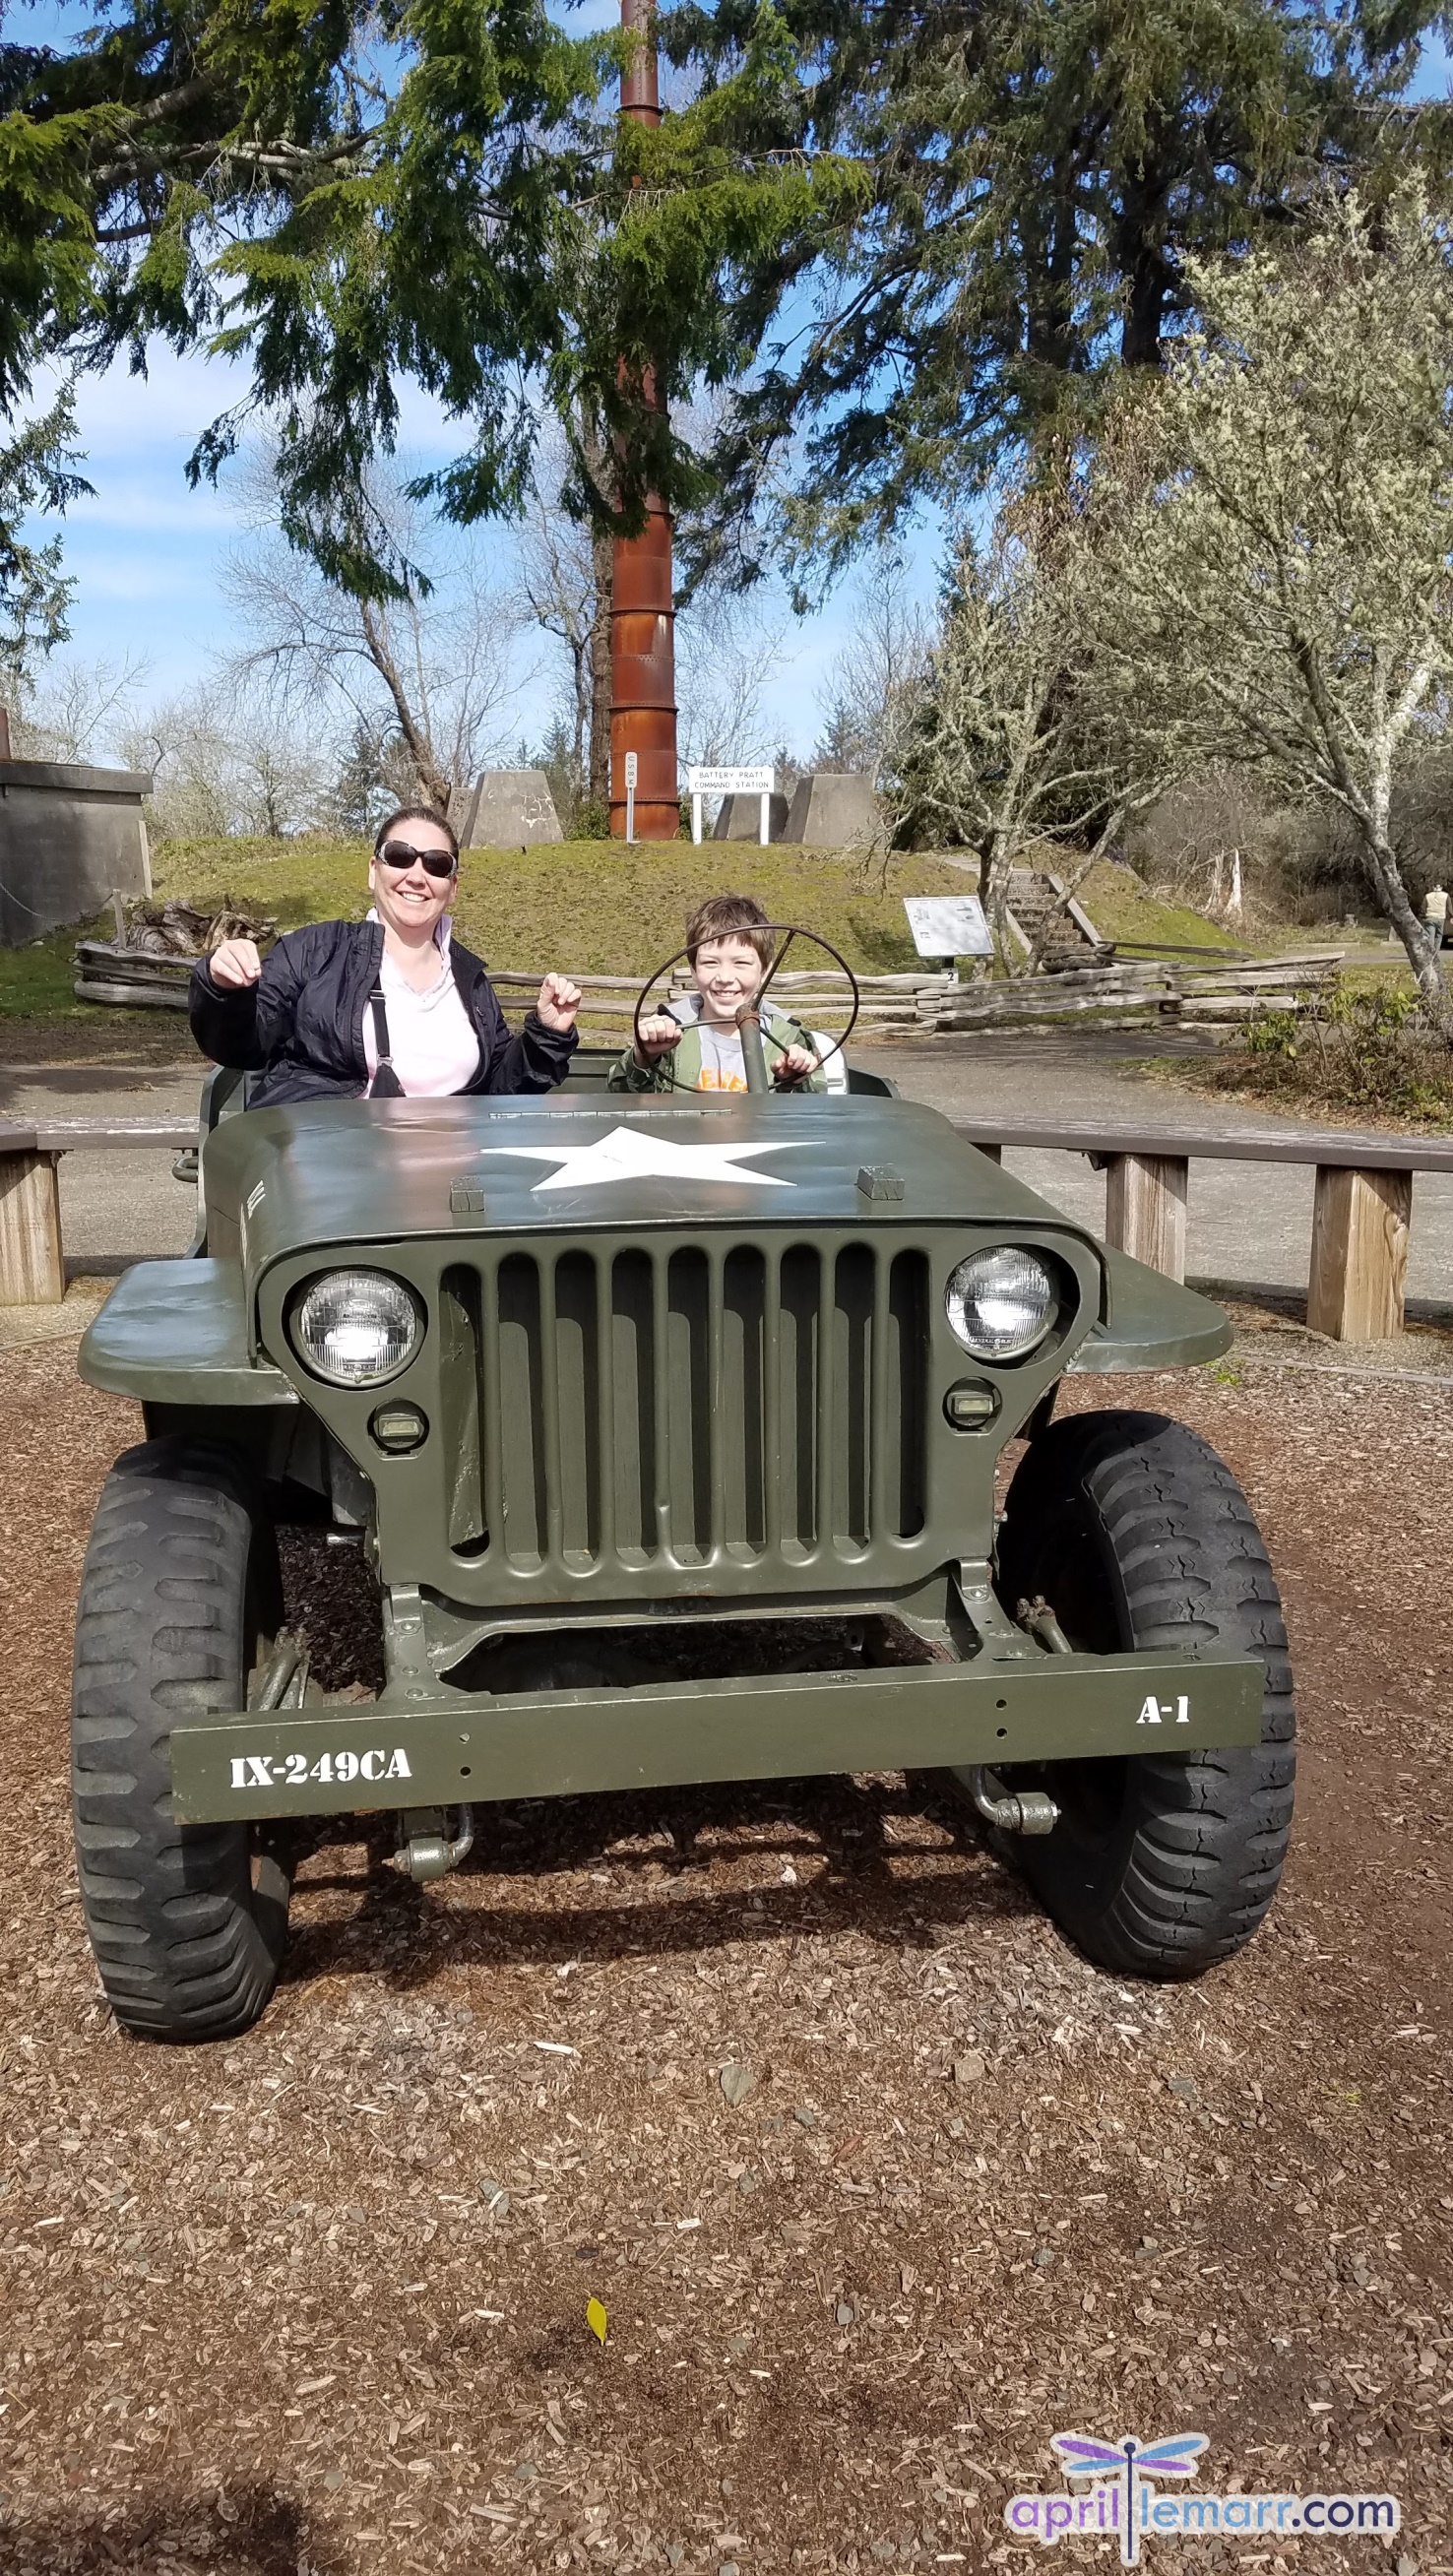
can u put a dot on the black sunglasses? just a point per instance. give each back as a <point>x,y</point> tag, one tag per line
<point>398,854</point>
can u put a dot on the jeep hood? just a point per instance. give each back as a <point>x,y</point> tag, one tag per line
<point>282,1181</point>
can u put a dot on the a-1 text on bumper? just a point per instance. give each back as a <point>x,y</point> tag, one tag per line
<point>404,1751</point>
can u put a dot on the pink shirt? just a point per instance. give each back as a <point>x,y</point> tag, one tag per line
<point>432,1043</point>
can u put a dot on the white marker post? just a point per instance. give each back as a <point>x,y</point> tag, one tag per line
<point>731,782</point>
<point>630,795</point>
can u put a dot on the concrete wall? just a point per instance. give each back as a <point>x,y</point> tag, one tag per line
<point>508,810</point>
<point>70,838</point>
<point>740,819</point>
<point>834,810</point>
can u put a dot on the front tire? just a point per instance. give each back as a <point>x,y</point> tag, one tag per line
<point>188,1922</point>
<point>1138,1535</point>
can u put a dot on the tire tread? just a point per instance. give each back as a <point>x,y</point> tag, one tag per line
<point>184,1950</point>
<point>1210,1831</point>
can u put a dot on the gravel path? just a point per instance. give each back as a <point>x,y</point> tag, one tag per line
<point>316,2302</point>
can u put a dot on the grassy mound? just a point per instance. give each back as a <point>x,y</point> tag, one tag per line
<point>594,906</point>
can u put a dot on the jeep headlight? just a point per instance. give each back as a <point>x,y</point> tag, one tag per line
<point>357,1327</point>
<point>999,1304</point>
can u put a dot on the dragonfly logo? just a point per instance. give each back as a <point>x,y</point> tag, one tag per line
<point>1122,2474</point>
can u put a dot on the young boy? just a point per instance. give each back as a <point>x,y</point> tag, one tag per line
<point>694,1043</point>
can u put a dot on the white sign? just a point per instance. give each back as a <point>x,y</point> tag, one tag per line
<point>732,782</point>
<point>948,925</point>
<point>631,758</point>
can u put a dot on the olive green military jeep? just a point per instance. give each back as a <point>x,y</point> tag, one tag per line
<point>608,1390</point>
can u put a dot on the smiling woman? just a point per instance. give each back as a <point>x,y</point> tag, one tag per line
<point>384,1007</point>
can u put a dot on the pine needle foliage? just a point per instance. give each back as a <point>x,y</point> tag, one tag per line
<point>1007,196</point>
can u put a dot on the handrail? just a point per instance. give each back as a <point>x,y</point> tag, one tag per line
<point>1346,1148</point>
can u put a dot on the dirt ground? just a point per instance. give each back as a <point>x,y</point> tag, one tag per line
<point>316,2303</point>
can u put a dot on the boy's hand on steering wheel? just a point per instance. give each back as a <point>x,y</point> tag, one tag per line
<point>558,1002</point>
<point>655,1038</point>
<point>234,964</point>
<point>794,1064</point>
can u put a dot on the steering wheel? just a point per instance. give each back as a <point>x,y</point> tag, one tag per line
<point>787,931</point>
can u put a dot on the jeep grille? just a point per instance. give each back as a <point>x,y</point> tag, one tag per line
<point>636,1404</point>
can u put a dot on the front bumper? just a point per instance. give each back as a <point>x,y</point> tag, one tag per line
<point>441,1748</point>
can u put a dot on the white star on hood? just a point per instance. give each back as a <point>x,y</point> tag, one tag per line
<point>632,1154</point>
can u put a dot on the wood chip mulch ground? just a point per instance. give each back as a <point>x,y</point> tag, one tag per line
<point>316,2303</point>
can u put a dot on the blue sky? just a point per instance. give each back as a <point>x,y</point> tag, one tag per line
<point>146,551</point>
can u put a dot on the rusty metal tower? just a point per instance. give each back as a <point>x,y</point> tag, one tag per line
<point>642,641</point>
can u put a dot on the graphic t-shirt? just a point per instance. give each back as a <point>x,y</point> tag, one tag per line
<point>723,1067</point>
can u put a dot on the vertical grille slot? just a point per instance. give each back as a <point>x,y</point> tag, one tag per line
<point>903,1446</point>
<point>460,1339</point>
<point>854,1335</point>
<point>631,1456</point>
<point>519,1413</point>
<point>689,1426</point>
<point>796,1469</point>
<point>740,1407</point>
<point>577,1406</point>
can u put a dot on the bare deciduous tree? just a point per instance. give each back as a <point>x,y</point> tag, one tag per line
<point>885,655</point>
<point>727,646</point>
<point>1282,586</point>
<point>224,762</point>
<point>79,712</point>
<point>432,668</point>
<point>1003,741</point>
<point>565,589</point>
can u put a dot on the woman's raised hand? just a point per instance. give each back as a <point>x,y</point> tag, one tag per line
<point>558,1003</point>
<point>234,964</point>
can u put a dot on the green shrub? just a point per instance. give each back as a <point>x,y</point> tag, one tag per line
<point>1348,1051</point>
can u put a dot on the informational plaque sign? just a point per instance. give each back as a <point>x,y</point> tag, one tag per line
<point>948,925</point>
<point>731,782</point>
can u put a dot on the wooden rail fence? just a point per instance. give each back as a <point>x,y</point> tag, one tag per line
<point>1199,994</point>
<point>1362,1208</point>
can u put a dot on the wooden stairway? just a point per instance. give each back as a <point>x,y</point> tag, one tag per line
<point>1073,940</point>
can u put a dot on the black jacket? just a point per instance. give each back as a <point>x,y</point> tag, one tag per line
<point>301,1025</point>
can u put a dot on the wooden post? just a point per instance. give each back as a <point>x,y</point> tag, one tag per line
<point>1360,1223</point>
<point>32,1266</point>
<point>1145,1209</point>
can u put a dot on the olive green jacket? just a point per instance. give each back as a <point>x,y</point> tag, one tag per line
<point>680,1068</point>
